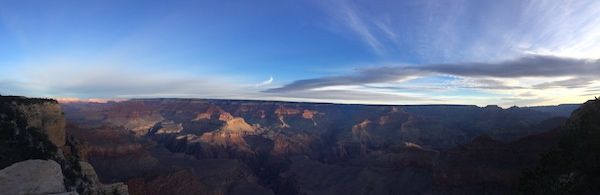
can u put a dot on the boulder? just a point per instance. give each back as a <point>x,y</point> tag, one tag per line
<point>32,177</point>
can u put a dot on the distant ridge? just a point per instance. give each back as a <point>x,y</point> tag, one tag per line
<point>564,110</point>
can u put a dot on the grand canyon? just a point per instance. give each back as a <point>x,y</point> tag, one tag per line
<point>309,97</point>
<point>207,146</point>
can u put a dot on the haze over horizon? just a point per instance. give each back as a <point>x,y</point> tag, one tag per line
<point>409,52</point>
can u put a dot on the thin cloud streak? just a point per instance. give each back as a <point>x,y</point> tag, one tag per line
<point>352,19</point>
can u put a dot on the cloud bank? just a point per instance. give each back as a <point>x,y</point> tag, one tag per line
<point>524,80</point>
<point>540,66</point>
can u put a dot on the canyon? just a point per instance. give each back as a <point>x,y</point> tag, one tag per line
<point>204,146</point>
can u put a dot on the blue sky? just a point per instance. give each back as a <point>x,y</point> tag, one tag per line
<point>383,52</point>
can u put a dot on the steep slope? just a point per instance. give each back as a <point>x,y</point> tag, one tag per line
<point>573,167</point>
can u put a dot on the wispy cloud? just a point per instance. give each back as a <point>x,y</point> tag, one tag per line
<point>373,31</point>
<point>439,31</point>
<point>349,15</point>
<point>266,82</point>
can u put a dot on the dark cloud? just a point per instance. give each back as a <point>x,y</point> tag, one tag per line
<point>527,66</point>
<point>363,76</point>
<point>570,83</point>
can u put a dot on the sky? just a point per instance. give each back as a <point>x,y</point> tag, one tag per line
<point>510,52</point>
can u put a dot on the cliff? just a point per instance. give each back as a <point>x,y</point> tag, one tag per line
<point>33,128</point>
<point>48,117</point>
<point>44,115</point>
<point>20,140</point>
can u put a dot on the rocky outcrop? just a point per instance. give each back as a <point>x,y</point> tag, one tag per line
<point>43,114</point>
<point>98,188</point>
<point>309,114</point>
<point>32,177</point>
<point>360,133</point>
<point>167,127</point>
<point>238,125</point>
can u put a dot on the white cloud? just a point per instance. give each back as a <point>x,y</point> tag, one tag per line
<point>266,82</point>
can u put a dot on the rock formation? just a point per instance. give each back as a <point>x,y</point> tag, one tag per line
<point>44,115</point>
<point>32,177</point>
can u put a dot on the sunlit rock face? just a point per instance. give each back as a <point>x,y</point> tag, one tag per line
<point>46,116</point>
<point>284,146</point>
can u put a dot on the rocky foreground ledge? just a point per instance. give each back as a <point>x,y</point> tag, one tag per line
<point>32,177</point>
